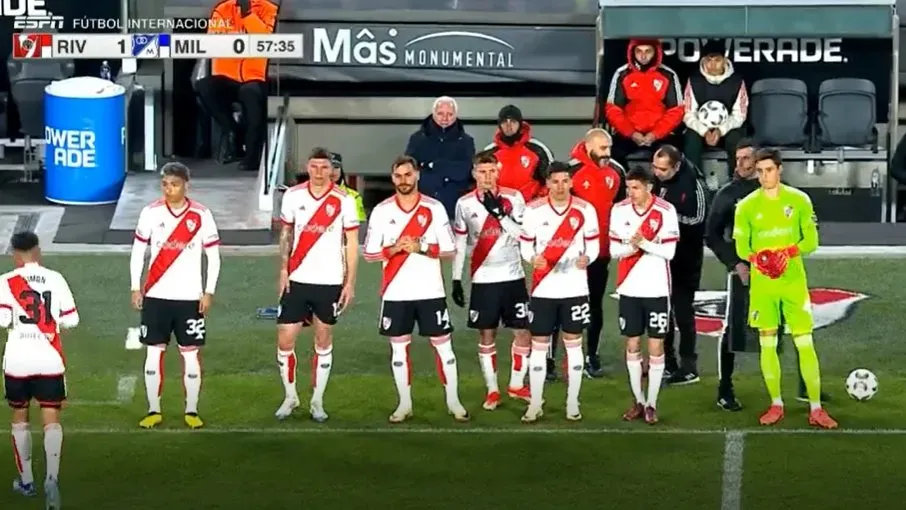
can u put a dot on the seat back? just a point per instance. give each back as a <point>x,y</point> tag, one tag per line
<point>847,112</point>
<point>779,111</point>
<point>27,79</point>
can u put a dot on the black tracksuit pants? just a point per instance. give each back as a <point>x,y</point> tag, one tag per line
<point>739,337</point>
<point>218,93</point>
<point>597,273</point>
<point>685,269</point>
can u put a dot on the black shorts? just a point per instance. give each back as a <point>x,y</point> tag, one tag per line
<point>162,318</point>
<point>48,390</point>
<point>644,315</point>
<point>398,318</point>
<point>304,301</point>
<point>491,304</point>
<point>549,315</point>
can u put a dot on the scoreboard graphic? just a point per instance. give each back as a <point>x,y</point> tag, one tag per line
<point>156,46</point>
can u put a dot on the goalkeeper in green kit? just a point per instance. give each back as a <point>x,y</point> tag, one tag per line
<point>774,227</point>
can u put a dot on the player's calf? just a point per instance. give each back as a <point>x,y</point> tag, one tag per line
<point>656,368</point>
<point>401,366</point>
<point>449,375</point>
<point>191,380</point>
<point>53,443</point>
<point>634,368</point>
<point>20,434</point>
<point>575,362</point>
<point>519,364</point>
<point>154,384</point>
<point>287,363</point>
<point>322,363</point>
<point>487,360</point>
<point>537,376</point>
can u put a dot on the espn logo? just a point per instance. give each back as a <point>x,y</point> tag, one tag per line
<point>32,45</point>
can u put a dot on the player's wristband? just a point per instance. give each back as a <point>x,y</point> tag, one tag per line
<point>791,251</point>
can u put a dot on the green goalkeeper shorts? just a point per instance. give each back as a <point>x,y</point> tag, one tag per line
<point>769,301</point>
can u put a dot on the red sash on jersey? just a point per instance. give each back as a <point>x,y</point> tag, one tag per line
<point>563,237</point>
<point>417,227</point>
<point>326,214</point>
<point>487,237</point>
<point>649,229</point>
<point>37,311</point>
<point>181,236</point>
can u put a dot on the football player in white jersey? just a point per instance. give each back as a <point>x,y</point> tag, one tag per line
<point>319,246</point>
<point>644,230</point>
<point>409,234</point>
<point>35,304</point>
<point>560,239</point>
<point>174,300</point>
<point>487,224</point>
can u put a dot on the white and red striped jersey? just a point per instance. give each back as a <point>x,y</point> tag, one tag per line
<point>410,276</point>
<point>493,250</point>
<point>177,240</point>
<point>561,234</point>
<point>644,271</point>
<point>319,223</point>
<point>35,304</point>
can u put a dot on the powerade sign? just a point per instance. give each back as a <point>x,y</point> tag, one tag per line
<point>72,148</point>
<point>811,60</point>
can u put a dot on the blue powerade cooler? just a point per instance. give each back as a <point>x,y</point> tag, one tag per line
<point>85,135</point>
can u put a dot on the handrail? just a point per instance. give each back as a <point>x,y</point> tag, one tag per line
<point>277,148</point>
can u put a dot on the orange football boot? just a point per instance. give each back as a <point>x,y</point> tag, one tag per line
<point>820,418</point>
<point>772,416</point>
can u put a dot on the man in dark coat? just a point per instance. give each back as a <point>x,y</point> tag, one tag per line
<point>444,152</point>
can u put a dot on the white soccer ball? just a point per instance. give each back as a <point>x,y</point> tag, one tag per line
<point>861,384</point>
<point>712,114</point>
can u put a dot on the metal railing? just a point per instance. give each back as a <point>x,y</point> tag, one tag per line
<point>271,173</point>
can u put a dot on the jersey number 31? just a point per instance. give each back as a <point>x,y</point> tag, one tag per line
<point>37,307</point>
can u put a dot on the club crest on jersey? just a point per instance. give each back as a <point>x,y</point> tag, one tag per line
<point>788,211</point>
<point>525,161</point>
<point>653,223</point>
<point>574,223</point>
<point>473,315</point>
<point>658,84</point>
<point>586,184</point>
<point>609,181</point>
<point>386,322</point>
<point>330,210</point>
<point>191,225</point>
<point>421,219</point>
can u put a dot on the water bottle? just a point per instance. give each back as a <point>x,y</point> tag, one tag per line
<point>105,71</point>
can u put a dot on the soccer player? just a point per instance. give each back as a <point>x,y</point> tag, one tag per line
<point>487,224</point>
<point>409,234</point>
<point>35,304</point>
<point>174,300</point>
<point>774,227</point>
<point>644,230</point>
<point>319,246</point>
<point>560,239</point>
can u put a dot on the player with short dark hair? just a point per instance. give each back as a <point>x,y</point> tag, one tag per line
<point>560,240</point>
<point>487,224</point>
<point>773,228</point>
<point>644,231</point>
<point>410,234</point>
<point>35,305</point>
<point>319,245</point>
<point>174,299</point>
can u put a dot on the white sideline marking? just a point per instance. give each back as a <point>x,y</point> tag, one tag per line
<point>102,249</point>
<point>731,481</point>
<point>125,390</point>
<point>466,430</point>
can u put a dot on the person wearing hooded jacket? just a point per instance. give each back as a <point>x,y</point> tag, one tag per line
<point>600,181</point>
<point>716,81</point>
<point>444,153</point>
<point>645,101</point>
<point>338,177</point>
<point>523,159</point>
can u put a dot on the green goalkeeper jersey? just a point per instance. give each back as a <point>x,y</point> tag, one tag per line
<point>764,223</point>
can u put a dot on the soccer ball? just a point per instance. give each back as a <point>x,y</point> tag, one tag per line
<point>713,114</point>
<point>861,384</point>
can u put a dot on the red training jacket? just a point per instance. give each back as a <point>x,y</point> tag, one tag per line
<point>523,164</point>
<point>647,101</point>
<point>601,186</point>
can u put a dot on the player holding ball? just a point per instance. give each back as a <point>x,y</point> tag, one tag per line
<point>774,227</point>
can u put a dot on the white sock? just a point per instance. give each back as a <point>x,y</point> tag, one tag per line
<point>154,376</point>
<point>286,360</point>
<point>487,359</point>
<point>53,447</point>
<point>321,364</point>
<point>634,366</point>
<point>22,451</point>
<point>519,366</point>
<point>655,376</point>
<point>537,372</point>
<point>575,362</point>
<point>191,378</point>
<point>446,364</point>
<point>402,371</point>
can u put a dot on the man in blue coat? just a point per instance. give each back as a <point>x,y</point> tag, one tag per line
<point>444,151</point>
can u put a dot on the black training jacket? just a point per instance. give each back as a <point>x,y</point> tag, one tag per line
<point>687,194</point>
<point>719,227</point>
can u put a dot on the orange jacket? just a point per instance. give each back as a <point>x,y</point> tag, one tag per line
<point>225,19</point>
